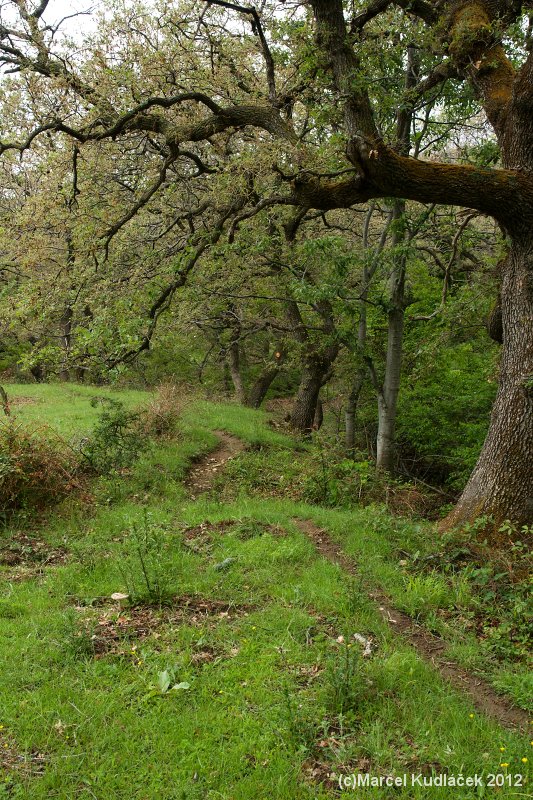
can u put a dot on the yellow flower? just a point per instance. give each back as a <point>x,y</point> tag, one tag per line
<point>524,761</point>
<point>505,764</point>
<point>471,716</point>
<point>502,749</point>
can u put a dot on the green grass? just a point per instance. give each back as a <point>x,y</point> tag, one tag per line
<point>273,693</point>
<point>66,408</point>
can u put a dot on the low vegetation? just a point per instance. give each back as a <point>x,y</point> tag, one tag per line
<point>211,637</point>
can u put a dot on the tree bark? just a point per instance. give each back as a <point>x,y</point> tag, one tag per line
<point>258,391</point>
<point>388,394</point>
<point>4,401</point>
<point>350,413</point>
<point>234,364</point>
<point>305,402</point>
<point>66,340</point>
<point>501,485</point>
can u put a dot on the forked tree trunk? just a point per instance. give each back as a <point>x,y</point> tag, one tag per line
<point>501,485</point>
<point>305,402</point>
<point>259,390</point>
<point>316,373</point>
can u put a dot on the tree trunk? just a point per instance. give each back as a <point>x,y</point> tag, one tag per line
<point>319,415</point>
<point>66,340</point>
<point>259,390</point>
<point>4,401</point>
<point>305,402</point>
<point>388,396</point>
<point>234,364</point>
<point>501,485</point>
<point>350,412</point>
<point>316,372</point>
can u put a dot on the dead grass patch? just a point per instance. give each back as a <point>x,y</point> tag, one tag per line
<point>23,550</point>
<point>112,631</point>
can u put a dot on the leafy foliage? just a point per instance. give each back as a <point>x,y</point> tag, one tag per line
<point>116,440</point>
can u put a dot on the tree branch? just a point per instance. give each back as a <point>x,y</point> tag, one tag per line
<point>257,28</point>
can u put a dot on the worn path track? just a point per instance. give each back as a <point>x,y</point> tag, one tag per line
<point>431,648</point>
<point>205,469</point>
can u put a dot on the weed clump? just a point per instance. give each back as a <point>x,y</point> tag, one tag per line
<point>162,414</point>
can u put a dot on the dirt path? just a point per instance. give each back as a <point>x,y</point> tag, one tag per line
<point>202,475</point>
<point>430,647</point>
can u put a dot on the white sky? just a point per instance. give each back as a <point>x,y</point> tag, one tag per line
<point>57,9</point>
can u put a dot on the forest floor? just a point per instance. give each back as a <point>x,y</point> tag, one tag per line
<point>267,648</point>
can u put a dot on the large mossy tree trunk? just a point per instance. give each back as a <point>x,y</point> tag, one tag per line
<point>501,485</point>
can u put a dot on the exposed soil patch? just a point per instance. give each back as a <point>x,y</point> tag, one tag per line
<point>22,549</point>
<point>200,538</point>
<point>205,471</point>
<point>430,647</point>
<point>24,401</point>
<point>12,760</point>
<point>115,631</point>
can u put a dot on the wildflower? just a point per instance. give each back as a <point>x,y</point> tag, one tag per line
<point>471,716</point>
<point>524,761</point>
<point>505,764</point>
<point>502,749</point>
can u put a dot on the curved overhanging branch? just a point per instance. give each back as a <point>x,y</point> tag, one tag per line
<point>506,195</point>
<point>222,119</point>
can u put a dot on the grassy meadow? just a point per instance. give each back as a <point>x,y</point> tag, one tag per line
<point>231,672</point>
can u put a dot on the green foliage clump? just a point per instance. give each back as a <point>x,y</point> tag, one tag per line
<point>116,439</point>
<point>142,566</point>
<point>495,576</point>
<point>444,411</point>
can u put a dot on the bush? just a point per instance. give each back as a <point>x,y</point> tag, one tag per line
<point>116,440</point>
<point>162,414</point>
<point>36,467</point>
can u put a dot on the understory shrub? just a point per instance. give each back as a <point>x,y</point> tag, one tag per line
<point>161,416</point>
<point>116,439</point>
<point>497,572</point>
<point>36,467</point>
